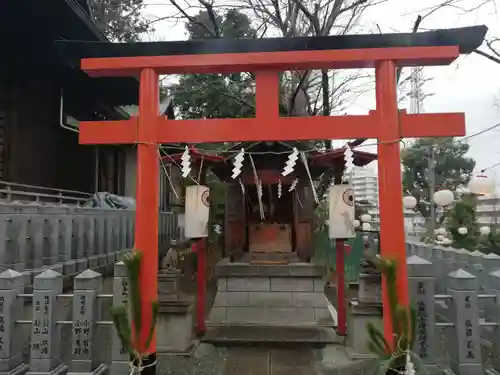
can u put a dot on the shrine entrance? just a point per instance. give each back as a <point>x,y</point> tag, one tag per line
<point>266,58</point>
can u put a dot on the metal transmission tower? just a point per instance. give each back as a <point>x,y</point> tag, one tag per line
<point>416,93</point>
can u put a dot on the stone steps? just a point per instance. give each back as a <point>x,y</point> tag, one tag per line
<point>251,334</point>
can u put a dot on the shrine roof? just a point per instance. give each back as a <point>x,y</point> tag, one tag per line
<point>324,159</point>
<point>318,160</point>
<point>467,39</point>
<point>196,156</point>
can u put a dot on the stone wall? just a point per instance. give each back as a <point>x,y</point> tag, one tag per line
<point>34,237</point>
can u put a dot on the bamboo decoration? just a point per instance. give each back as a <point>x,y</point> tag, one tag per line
<point>127,318</point>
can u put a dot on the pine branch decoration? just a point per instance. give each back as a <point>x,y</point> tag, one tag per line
<point>127,318</point>
<point>403,319</point>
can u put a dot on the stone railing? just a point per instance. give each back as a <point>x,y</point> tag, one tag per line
<point>456,294</point>
<point>61,332</point>
<point>68,239</point>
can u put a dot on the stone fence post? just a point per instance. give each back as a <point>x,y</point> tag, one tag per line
<point>447,266</point>
<point>11,284</point>
<point>462,259</point>
<point>85,314</point>
<point>491,263</point>
<point>45,334</point>
<point>494,283</point>
<point>465,350</point>
<point>421,287</point>
<point>119,356</point>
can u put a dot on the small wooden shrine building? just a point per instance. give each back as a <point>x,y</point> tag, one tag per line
<point>278,228</point>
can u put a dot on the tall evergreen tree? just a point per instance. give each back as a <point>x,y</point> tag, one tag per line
<point>463,215</point>
<point>452,169</point>
<point>120,20</point>
<point>216,95</point>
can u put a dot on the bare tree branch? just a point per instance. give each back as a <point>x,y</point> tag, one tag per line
<point>192,19</point>
<point>488,56</point>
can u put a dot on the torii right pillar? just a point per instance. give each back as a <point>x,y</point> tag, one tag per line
<point>392,235</point>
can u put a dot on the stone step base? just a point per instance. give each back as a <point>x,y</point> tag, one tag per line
<point>291,335</point>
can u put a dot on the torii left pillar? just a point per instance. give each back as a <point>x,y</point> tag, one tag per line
<point>147,200</point>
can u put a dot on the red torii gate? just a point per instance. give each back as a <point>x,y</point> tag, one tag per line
<point>386,123</point>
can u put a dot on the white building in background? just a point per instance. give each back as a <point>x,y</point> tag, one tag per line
<point>488,211</point>
<point>365,185</point>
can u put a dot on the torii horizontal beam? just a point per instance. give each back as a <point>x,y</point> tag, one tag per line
<point>283,129</point>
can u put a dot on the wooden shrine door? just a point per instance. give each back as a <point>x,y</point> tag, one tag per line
<point>303,219</point>
<point>234,228</point>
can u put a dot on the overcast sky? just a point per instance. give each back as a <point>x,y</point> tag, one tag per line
<point>471,85</point>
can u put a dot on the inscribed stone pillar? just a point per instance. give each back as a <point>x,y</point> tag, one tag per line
<point>101,233</point>
<point>36,236</point>
<point>462,259</point>
<point>421,287</point>
<point>465,351</point>
<point>45,334</point>
<point>447,263</point>
<point>119,356</point>
<point>437,262</point>
<point>491,262</point>
<point>85,314</point>
<point>81,260</point>
<point>494,284</point>
<point>11,307</point>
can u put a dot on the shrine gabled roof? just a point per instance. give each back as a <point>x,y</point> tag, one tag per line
<point>467,39</point>
<point>325,159</point>
<point>317,160</point>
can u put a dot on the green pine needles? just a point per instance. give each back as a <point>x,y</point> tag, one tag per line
<point>403,321</point>
<point>127,318</point>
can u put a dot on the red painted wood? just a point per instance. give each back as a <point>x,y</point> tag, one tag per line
<point>340,271</point>
<point>201,279</point>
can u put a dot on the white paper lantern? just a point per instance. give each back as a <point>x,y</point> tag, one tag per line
<point>366,226</point>
<point>409,202</point>
<point>447,242</point>
<point>341,212</point>
<point>481,184</point>
<point>443,198</point>
<point>365,218</point>
<point>462,230</point>
<point>357,223</point>
<point>484,230</point>
<point>441,231</point>
<point>196,211</point>
<point>440,237</point>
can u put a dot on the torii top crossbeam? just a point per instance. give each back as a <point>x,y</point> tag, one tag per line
<point>266,58</point>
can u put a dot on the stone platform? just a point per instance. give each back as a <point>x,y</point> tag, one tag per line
<point>262,296</point>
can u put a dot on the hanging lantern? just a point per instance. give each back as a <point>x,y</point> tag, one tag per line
<point>440,237</point>
<point>409,202</point>
<point>462,230</point>
<point>484,230</point>
<point>366,226</point>
<point>341,212</point>
<point>365,218</point>
<point>441,231</point>
<point>196,211</point>
<point>357,223</point>
<point>443,198</point>
<point>481,184</point>
<point>447,241</point>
